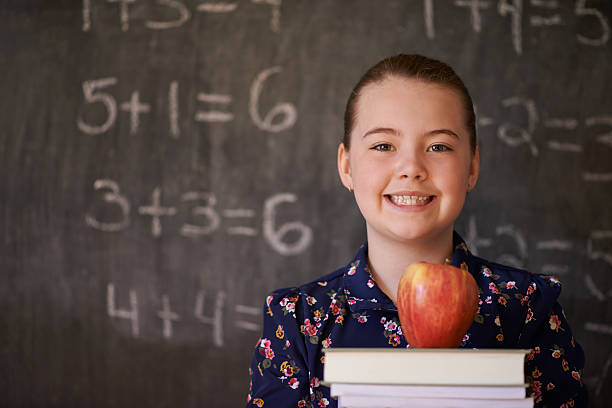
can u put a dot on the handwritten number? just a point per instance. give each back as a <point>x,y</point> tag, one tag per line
<point>112,197</point>
<point>581,10</point>
<point>285,110</point>
<point>183,13</point>
<point>207,211</point>
<point>91,96</point>
<point>275,236</point>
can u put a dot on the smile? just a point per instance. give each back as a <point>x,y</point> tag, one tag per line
<point>411,200</point>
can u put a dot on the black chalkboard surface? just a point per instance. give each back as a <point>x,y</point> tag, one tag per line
<point>166,164</point>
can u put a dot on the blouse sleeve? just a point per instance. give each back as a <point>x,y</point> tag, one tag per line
<point>554,365</point>
<point>279,376</point>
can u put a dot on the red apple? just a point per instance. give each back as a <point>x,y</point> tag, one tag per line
<point>436,304</point>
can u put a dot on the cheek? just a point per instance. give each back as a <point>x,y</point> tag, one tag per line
<point>369,175</point>
<point>369,181</point>
<point>455,189</point>
<point>454,178</point>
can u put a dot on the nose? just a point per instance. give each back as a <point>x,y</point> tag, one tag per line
<point>411,166</point>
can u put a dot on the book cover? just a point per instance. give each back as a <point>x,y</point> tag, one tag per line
<point>361,401</point>
<point>425,366</point>
<point>491,392</point>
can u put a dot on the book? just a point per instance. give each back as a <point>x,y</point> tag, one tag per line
<point>490,392</point>
<point>361,401</point>
<point>425,366</point>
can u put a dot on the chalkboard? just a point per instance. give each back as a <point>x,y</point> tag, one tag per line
<point>165,164</point>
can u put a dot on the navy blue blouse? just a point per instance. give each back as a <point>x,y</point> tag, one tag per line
<point>517,309</point>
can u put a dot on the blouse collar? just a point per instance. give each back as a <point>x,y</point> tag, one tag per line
<point>362,293</point>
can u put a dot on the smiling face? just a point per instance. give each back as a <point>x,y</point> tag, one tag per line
<point>410,163</point>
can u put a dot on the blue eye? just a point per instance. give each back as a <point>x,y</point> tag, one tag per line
<point>383,147</point>
<point>439,148</point>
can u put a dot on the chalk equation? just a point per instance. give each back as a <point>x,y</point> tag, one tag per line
<point>202,207</point>
<point>598,247</point>
<point>536,14</point>
<point>567,131</point>
<point>217,107</point>
<point>539,14</point>
<point>244,317</point>
<point>175,12</point>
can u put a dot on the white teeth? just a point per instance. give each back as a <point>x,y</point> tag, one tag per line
<point>410,200</point>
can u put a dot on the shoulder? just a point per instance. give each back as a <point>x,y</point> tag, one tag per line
<point>522,301</point>
<point>320,291</point>
<point>504,279</point>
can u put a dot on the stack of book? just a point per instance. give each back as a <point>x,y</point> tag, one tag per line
<point>440,378</point>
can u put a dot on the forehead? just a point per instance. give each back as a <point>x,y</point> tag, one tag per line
<point>402,102</point>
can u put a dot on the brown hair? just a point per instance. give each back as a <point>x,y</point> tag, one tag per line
<point>411,66</point>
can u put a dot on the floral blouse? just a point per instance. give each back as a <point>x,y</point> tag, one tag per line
<point>517,309</point>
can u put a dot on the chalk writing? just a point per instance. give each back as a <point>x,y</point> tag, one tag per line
<point>597,382</point>
<point>554,245</point>
<point>173,110</point>
<point>135,108</point>
<point>516,135</point>
<point>598,328</point>
<point>86,15</point>
<point>217,7</point>
<point>603,120</point>
<point>216,320</point>
<point>588,176</point>
<point>594,239</point>
<point>541,14</point>
<point>602,21</point>
<point>276,14</point>
<point>112,197</point>
<point>474,239</point>
<point>181,12</point>
<point>214,116</point>
<point>240,213</point>
<point>131,314</point>
<point>602,377</point>
<point>250,311</point>
<point>281,117</point>
<point>286,110</point>
<point>177,13</point>
<point>245,317</point>
<point>594,289</point>
<point>475,6</point>
<point>155,210</point>
<point>275,235</point>
<point>521,245</point>
<point>204,210</point>
<point>167,316</point>
<point>124,15</point>
<point>524,136</point>
<point>515,11</point>
<point>89,90</point>
<point>207,211</point>
<point>595,248</point>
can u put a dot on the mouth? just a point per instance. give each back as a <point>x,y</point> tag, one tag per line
<point>410,200</point>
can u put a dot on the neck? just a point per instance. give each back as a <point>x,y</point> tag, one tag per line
<point>388,258</point>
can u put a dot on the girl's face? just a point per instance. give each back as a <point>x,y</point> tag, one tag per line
<point>410,163</point>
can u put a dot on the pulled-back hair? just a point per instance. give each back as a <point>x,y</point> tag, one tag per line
<point>411,66</point>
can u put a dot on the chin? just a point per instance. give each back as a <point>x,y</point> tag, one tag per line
<point>408,235</point>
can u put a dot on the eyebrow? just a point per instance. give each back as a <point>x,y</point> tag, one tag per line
<point>444,131</point>
<point>381,130</point>
<point>396,132</point>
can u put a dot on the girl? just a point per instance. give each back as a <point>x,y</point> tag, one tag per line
<point>409,154</point>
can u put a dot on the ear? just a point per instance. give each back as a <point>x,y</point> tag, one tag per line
<point>344,167</point>
<point>474,170</point>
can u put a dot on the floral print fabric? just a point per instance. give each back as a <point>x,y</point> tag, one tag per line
<point>517,309</point>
